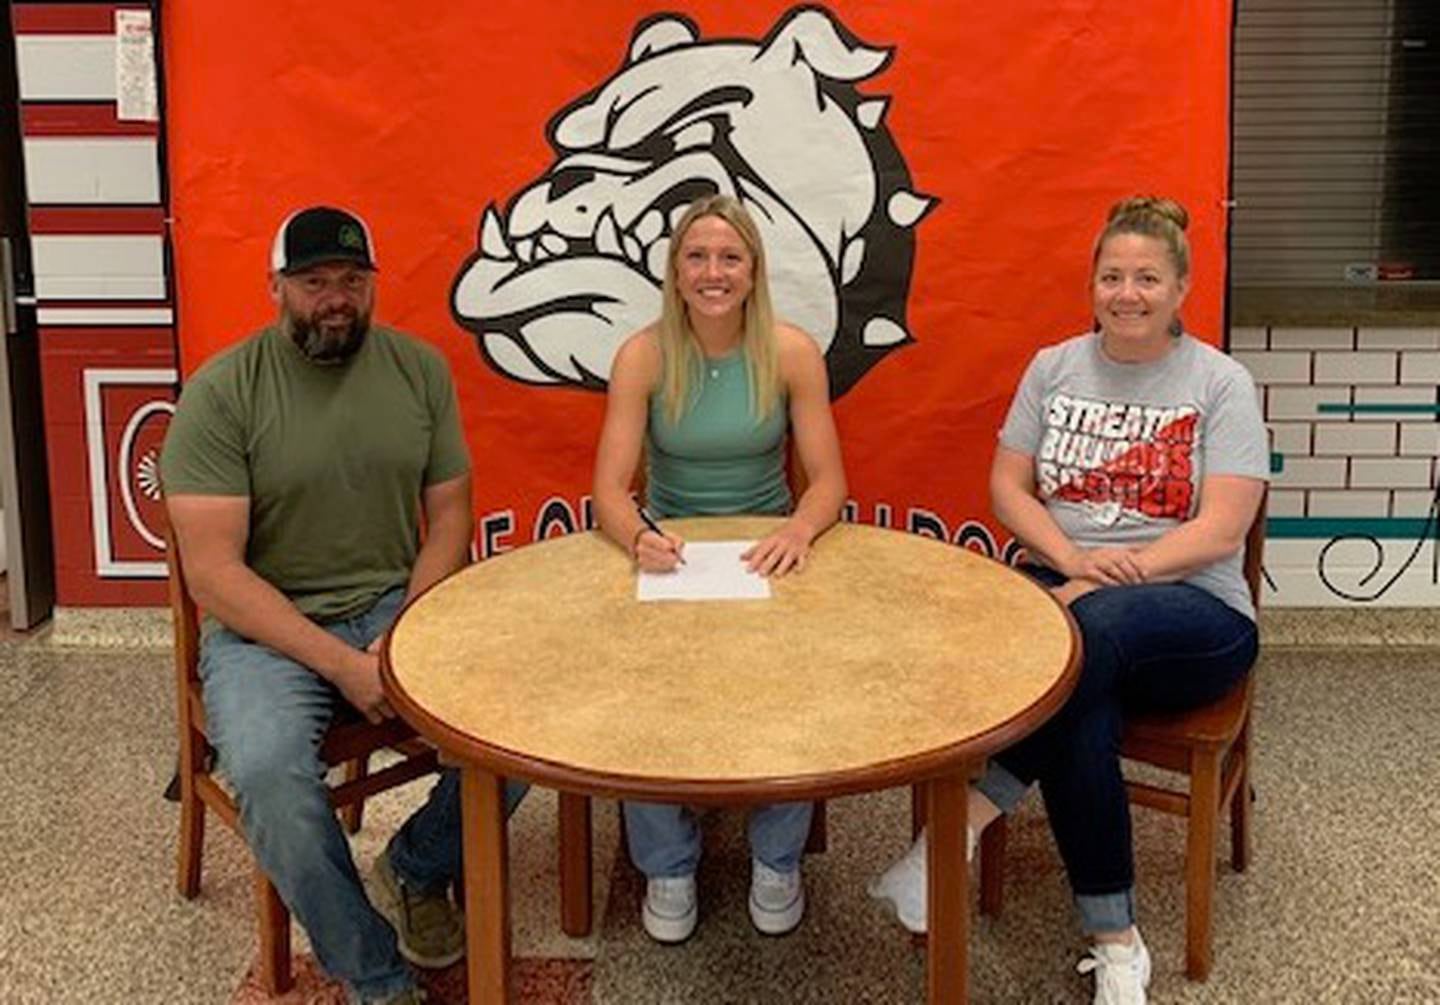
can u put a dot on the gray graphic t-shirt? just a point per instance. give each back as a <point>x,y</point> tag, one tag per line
<point>1121,449</point>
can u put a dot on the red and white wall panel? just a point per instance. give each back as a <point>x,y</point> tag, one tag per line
<point>98,231</point>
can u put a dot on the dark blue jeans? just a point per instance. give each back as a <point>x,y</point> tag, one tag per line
<point>1150,647</point>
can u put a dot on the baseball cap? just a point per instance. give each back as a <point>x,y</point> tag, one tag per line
<point>320,234</point>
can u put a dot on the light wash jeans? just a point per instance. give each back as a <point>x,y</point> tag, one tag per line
<point>266,715</point>
<point>1148,647</point>
<point>664,838</point>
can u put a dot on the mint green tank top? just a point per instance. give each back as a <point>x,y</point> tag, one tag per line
<point>717,459</point>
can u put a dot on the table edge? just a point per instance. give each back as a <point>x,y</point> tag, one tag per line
<point>465,748</point>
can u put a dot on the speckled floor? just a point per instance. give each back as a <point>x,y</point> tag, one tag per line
<point>1340,904</point>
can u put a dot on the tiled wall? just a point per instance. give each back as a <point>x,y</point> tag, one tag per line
<point>107,344</point>
<point>1355,418</point>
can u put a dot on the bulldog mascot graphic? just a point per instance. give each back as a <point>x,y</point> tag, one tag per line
<point>574,262</point>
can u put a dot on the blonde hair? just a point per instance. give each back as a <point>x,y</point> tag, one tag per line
<point>1150,216</point>
<point>683,362</point>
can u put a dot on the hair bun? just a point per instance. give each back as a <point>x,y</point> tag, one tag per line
<point>1149,206</point>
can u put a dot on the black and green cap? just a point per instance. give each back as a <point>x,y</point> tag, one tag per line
<point>320,234</point>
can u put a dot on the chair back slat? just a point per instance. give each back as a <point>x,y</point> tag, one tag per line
<point>1255,550</point>
<point>183,613</point>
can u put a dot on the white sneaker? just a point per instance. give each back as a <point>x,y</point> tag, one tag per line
<point>903,884</point>
<point>1122,973</point>
<point>670,910</point>
<point>777,899</point>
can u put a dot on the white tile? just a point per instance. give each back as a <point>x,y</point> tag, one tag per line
<point>1390,472</point>
<point>1400,338</point>
<point>112,169</point>
<point>1420,368</point>
<point>1283,403</point>
<point>66,67</point>
<point>1412,502</point>
<point>1312,338</point>
<point>1290,438</point>
<point>90,316</point>
<point>1247,338</point>
<point>1300,586</point>
<point>1283,503</point>
<point>1394,395</point>
<point>1422,438</point>
<point>1311,473</point>
<point>1422,397</point>
<point>98,266</point>
<point>1290,550</point>
<point>1350,503</point>
<point>1276,367</point>
<point>1356,438</point>
<point>1354,367</point>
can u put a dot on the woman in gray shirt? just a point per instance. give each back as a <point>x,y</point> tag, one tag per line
<point>1130,465</point>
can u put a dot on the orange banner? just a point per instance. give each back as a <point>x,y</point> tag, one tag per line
<point>930,176</point>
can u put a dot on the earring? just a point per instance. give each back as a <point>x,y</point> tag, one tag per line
<point>1177,328</point>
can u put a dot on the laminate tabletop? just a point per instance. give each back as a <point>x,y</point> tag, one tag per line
<point>889,658</point>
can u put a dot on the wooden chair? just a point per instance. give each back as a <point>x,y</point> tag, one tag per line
<point>350,742</point>
<point>1211,745</point>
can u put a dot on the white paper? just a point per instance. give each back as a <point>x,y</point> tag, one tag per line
<point>712,571</point>
<point>135,67</point>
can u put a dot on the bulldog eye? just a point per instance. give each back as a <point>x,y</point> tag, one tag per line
<point>567,179</point>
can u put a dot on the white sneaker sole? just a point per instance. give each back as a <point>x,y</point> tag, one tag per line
<point>669,930</point>
<point>782,922</point>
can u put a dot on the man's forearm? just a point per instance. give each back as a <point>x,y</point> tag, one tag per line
<point>446,548</point>
<point>249,606</point>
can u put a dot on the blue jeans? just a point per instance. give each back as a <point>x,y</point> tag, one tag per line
<point>266,715</point>
<point>664,838</point>
<point>1151,647</point>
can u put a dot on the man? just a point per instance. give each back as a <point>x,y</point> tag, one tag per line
<point>297,469</point>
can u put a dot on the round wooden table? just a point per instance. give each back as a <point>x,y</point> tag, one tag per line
<point>893,659</point>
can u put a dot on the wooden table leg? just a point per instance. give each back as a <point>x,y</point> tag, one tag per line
<point>575,864</point>
<point>487,892</point>
<point>948,894</point>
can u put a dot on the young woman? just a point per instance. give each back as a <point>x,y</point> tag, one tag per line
<point>709,391</point>
<point>1131,465</point>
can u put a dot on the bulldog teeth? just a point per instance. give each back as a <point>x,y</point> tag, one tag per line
<point>607,238</point>
<point>525,249</point>
<point>871,113</point>
<point>650,226</point>
<point>906,208</point>
<point>492,236</point>
<point>675,215</point>
<point>554,244</point>
<point>633,251</point>
<point>883,332</point>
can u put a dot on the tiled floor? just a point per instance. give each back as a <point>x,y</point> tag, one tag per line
<point>1339,906</point>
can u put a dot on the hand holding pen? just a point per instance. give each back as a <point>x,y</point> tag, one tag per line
<point>655,550</point>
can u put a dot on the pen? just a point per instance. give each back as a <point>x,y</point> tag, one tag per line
<point>650,523</point>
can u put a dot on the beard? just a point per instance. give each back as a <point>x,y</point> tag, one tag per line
<point>328,338</point>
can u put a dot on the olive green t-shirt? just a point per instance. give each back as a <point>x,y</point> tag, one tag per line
<point>333,459</point>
